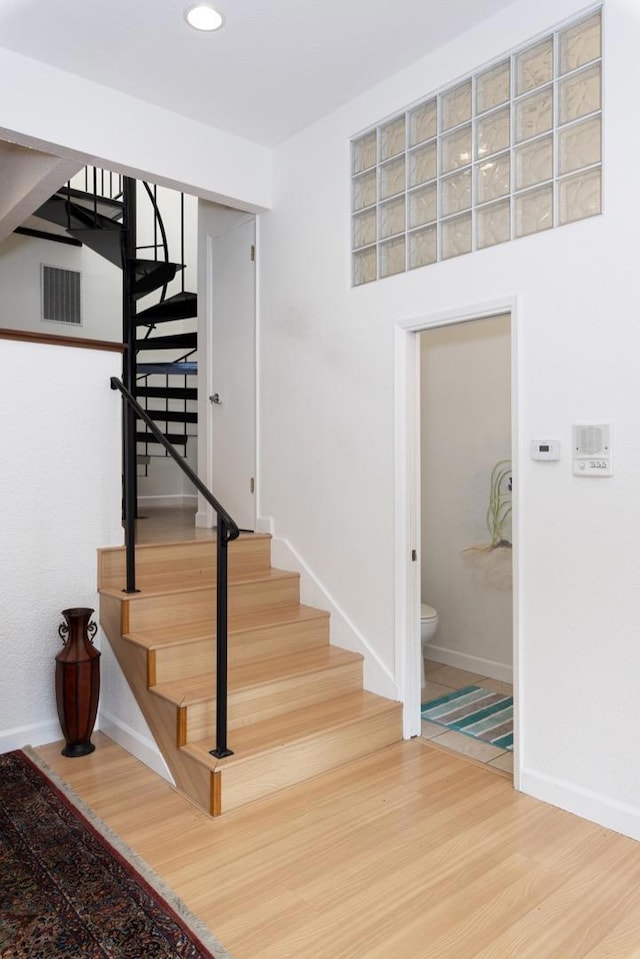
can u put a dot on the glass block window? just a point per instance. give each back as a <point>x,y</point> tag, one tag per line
<point>513,150</point>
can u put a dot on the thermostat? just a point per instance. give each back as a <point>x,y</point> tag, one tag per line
<point>545,449</point>
<point>592,449</point>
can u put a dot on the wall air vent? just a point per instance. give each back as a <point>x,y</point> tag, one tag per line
<point>61,300</point>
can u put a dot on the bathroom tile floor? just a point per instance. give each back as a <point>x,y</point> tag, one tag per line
<point>441,680</point>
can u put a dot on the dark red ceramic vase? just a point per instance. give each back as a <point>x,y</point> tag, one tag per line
<point>77,681</point>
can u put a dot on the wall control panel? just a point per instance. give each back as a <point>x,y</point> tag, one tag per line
<point>592,453</point>
<point>545,450</point>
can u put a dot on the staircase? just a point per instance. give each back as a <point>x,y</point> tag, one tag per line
<point>296,706</point>
<point>296,703</point>
<point>94,217</point>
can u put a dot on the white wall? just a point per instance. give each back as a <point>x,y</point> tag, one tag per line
<point>327,465</point>
<point>465,420</point>
<point>122,133</point>
<point>20,304</point>
<point>60,493</point>
<point>60,490</point>
<point>165,484</point>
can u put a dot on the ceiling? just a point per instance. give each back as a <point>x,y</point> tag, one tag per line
<point>275,67</point>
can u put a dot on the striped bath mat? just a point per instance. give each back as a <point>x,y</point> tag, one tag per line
<point>476,712</point>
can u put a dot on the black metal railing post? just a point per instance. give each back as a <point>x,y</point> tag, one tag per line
<point>222,656</point>
<point>129,337</point>
<point>227,531</point>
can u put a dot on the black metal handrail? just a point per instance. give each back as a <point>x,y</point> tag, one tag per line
<point>158,223</point>
<point>227,530</point>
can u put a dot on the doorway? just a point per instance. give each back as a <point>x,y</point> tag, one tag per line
<point>466,538</point>
<point>463,345</point>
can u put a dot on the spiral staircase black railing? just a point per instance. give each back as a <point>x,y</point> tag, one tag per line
<point>104,218</point>
<point>97,217</point>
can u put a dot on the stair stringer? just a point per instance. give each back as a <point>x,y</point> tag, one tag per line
<point>191,778</point>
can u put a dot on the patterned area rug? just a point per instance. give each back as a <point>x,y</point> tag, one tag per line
<point>476,712</point>
<point>67,891</point>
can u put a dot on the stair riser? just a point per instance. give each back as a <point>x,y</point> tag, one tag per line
<point>260,703</point>
<point>146,438</point>
<point>264,774</point>
<point>193,606</point>
<point>179,341</point>
<point>161,415</point>
<point>182,394</point>
<point>192,658</point>
<point>172,564</point>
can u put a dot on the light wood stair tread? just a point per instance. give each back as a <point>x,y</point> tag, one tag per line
<point>167,564</point>
<point>204,541</point>
<point>273,734</point>
<point>270,575</point>
<point>240,622</point>
<point>196,689</point>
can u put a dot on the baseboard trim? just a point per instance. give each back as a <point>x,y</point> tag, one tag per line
<point>205,519</point>
<point>33,734</point>
<point>377,678</point>
<point>139,746</point>
<point>585,803</point>
<point>473,664</point>
<point>264,524</point>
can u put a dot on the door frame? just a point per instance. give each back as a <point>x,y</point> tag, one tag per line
<point>230,219</point>
<point>407,503</point>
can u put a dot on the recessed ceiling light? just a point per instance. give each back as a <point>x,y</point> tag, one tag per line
<point>204,17</point>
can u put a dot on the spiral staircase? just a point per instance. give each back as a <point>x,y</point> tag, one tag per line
<point>164,369</point>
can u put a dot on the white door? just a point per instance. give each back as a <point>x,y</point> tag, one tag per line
<point>227,241</point>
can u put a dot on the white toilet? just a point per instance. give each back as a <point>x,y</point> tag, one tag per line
<point>428,627</point>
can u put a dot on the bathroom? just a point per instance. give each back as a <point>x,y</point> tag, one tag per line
<point>466,549</point>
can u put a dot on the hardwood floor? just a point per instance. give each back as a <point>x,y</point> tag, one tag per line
<point>166,524</point>
<point>410,852</point>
